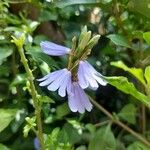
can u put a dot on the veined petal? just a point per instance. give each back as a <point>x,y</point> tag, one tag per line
<point>100,80</point>
<point>84,99</point>
<point>63,86</point>
<point>54,49</point>
<point>81,76</point>
<point>78,101</point>
<point>51,77</point>
<point>56,83</point>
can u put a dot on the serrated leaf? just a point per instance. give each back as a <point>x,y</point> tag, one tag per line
<point>119,40</point>
<point>127,87</point>
<point>147,74</point>
<point>146,37</point>
<point>137,72</point>
<point>138,146</point>
<point>103,140</point>
<point>128,113</point>
<point>6,116</point>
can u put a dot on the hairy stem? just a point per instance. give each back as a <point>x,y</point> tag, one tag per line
<point>33,93</point>
<point>119,123</point>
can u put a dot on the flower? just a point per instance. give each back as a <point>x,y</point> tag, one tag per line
<point>60,80</point>
<point>78,100</point>
<point>54,49</point>
<point>88,76</point>
<point>36,144</point>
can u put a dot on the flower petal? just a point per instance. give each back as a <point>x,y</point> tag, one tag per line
<point>81,76</point>
<point>51,77</point>
<point>54,49</point>
<point>62,88</point>
<point>56,83</point>
<point>84,99</point>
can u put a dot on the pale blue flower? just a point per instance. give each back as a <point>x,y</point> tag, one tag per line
<point>78,100</point>
<point>88,76</point>
<point>36,144</point>
<point>60,80</point>
<point>54,49</point>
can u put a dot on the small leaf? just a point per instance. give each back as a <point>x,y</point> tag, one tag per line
<point>137,72</point>
<point>128,113</point>
<point>103,140</point>
<point>4,53</point>
<point>137,146</point>
<point>119,40</point>
<point>146,37</point>
<point>147,75</point>
<point>3,147</point>
<point>6,116</point>
<point>127,87</point>
<point>45,99</point>
<point>62,110</point>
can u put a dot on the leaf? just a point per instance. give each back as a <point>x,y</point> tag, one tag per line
<point>137,72</point>
<point>6,116</point>
<point>128,113</point>
<point>127,87</point>
<point>146,37</point>
<point>119,40</point>
<point>64,3</point>
<point>3,147</point>
<point>141,7</point>
<point>147,74</point>
<point>62,110</point>
<point>4,53</point>
<point>137,146</point>
<point>103,140</point>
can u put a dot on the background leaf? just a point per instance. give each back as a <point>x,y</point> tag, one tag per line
<point>6,116</point>
<point>103,140</point>
<point>127,87</point>
<point>138,146</point>
<point>146,37</point>
<point>128,113</point>
<point>119,40</point>
<point>137,72</point>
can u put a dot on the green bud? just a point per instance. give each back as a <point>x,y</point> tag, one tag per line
<point>84,30</point>
<point>93,42</point>
<point>83,43</point>
<point>74,43</point>
<point>18,41</point>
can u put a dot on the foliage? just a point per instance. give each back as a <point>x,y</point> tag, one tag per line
<point>122,55</point>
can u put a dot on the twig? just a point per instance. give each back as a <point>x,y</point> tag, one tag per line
<point>125,127</point>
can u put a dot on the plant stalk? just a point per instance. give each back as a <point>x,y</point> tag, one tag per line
<point>33,93</point>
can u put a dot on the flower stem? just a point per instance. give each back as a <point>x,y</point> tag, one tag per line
<point>33,93</point>
<point>119,123</point>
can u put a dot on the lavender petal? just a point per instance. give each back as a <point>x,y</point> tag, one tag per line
<point>54,49</point>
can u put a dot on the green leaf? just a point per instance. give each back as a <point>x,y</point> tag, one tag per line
<point>128,113</point>
<point>4,53</point>
<point>146,37</point>
<point>127,87</point>
<point>147,75</point>
<point>64,3</point>
<point>119,40</point>
<point>6,116</point>
<point>3,147</point>
<point>137,146</point>
<point>62,110</point>
<point>103,140</point>
<point>137,72</point>
<point>45,99</point>
<point>141,7</point>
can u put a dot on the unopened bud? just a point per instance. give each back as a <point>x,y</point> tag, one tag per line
<point>93,42</point>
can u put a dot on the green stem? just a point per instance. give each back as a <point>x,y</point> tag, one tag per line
<point>119,123</point>
<point>33,93</point>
